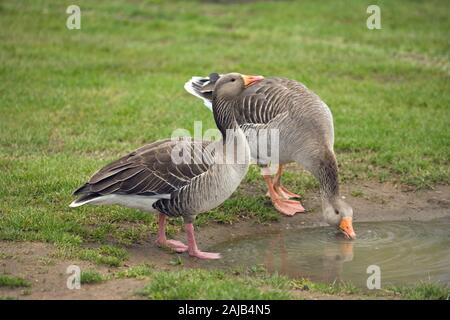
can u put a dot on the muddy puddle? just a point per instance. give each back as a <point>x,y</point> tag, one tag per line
<point>405,252</point>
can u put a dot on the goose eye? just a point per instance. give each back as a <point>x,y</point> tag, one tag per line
<point>233,80</point>
<point>335,211</point>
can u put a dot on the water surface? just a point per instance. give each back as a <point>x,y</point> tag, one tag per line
<point>406,252</point>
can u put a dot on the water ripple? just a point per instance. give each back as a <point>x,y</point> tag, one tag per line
<point>406,252</point>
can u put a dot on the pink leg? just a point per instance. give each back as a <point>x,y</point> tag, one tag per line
<point>286,207</point>
<point>192,245</point>
<point>162,241</point>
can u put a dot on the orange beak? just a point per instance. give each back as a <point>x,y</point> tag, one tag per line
<point>249,80</point>
<point>346,227</point>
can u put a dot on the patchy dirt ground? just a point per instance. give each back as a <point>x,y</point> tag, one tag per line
<point>371,202</point>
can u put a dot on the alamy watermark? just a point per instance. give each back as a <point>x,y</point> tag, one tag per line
<point>74,280</point>
<point>73,21</point>
<point>264,145</point>
<point>374,20</point>
<point>374,280</point>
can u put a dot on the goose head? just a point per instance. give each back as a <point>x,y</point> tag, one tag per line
<point>339,214</point>
<point>227,88</point>
<point>232,85</point>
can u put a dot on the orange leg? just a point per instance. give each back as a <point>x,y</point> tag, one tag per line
<point>285,193</point>
<point>285,206</point>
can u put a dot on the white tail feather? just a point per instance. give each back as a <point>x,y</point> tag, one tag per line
<point>131,201</point>
<point>75,204</point>
<point>190,88</point>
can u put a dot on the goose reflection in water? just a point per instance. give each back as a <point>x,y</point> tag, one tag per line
<point>329,257</point>
<point>407,252</point>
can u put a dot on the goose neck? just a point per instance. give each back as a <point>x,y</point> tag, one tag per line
<point>327,174</point>
<point>223,111</point>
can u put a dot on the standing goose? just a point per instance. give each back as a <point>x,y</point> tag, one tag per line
<point>306,136</point>
<point>155,179</point>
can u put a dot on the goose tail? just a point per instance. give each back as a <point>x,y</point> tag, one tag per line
<point>86,198</point>
<point>202,87</point>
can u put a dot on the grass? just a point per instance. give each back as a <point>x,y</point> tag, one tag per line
<point>112,256</point>
<point>138,272</point>
<point>91,276</point>
<point>424,291</point>
<point>71,101</point>
<point>421,291</point>
<point>256,283</point>
<point>326,288</point>
<point>214,284</point>
<point>389,105</point>
<point>142,271</point>
<point>357,193</point>
<point>13,282</point>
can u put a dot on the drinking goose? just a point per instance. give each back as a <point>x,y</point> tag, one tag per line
<point>179,177</point>
<point>306,136</point>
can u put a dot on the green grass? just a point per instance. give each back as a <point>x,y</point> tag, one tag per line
<point>107,255</point>
<point>13,282</point>
<point>327,288</point>
<point>91,276</point>
<point>71,101</point>
<point>421,291</point>
<point>424,291</point>
<point>139,272</point>
<point>357,193</point>
<point>214,284</point>
<point>257,283</point>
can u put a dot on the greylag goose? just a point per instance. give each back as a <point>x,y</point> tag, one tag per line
<point>179,177</point>
<point>306,136</point>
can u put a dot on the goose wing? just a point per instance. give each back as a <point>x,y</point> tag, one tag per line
<point>264,102</point>
<point>151,170</point>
